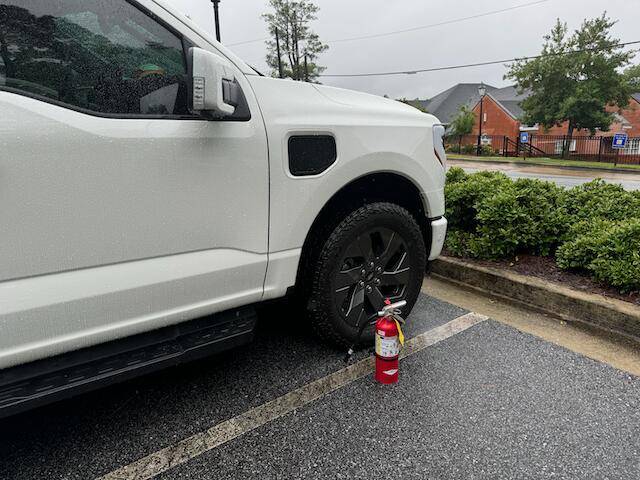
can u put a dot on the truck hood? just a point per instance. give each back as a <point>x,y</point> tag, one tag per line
<point>287,98</point>
<point>373,103</point>
<point>366,101</point>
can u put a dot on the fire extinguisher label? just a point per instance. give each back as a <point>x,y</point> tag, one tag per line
<point>387,346</point>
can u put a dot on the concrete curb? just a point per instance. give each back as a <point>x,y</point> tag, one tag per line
<point>551,298</point>
<point>533,164</point>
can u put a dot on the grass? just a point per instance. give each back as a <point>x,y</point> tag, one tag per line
<point>555,162</point>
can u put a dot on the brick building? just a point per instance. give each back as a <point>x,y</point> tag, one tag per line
<point>502,111</point>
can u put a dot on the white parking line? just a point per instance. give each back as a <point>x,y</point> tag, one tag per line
<point>195,445</point>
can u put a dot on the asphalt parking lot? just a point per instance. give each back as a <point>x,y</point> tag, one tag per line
<point>487,401</point>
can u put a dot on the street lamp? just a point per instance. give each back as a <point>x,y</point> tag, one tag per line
<point>482,90</point>
<point>217,20</point>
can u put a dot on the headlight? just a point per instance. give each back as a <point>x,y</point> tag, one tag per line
<point>438,144</point>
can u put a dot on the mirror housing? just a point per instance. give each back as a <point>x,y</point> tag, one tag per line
<point>214,87</point>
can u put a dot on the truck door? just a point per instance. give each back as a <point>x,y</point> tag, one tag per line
<point>120,210</point>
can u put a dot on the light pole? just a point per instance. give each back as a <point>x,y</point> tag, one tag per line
<point>482,90</point>
<point>278,53</point>
<point>217,19</point>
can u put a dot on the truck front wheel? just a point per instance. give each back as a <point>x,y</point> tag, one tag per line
<point>376,252</point>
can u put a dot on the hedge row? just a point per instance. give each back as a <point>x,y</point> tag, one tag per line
<point>592,228</point>
<point>485,150</point>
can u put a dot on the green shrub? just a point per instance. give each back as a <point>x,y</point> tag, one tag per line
<point>522,218</point>
<point>468,149</point>
<point>472,149</point>
<point>463,195</point>
<point>584,246</point>
<point>457,242</point>
<point>595,228</point>
<point>610,251</point>
<point>486,150</point>
<point>452,148</point>
<point>598,199</point>
<point>502,218</point>
<point>455,175</point>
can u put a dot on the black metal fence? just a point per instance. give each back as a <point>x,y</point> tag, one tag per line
<point>585,148</point>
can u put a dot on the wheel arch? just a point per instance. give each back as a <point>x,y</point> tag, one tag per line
<point>370,188</point>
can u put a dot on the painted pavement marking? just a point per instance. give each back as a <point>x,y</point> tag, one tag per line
<point>202,442</point>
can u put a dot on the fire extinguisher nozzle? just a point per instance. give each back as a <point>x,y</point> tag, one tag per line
<point>349,354</point>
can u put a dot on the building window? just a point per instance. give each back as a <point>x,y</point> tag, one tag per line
<point>559,144</point>
<point>484,115</point>
<point>633,147</point>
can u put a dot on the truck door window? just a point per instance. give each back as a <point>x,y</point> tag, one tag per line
<point>106,56</point>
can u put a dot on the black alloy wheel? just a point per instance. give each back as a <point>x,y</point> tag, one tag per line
<point>376,252</point>
<point>374,267</point>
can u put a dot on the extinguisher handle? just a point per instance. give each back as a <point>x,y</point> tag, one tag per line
<point>392,309</point>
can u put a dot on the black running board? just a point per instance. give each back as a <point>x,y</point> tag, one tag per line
<point>45,381</point>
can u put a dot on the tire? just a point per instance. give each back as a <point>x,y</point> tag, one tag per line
<point>375,252</point>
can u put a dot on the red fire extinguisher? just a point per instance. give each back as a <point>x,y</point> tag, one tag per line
<point>389,341</point>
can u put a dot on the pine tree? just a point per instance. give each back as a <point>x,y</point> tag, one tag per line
<point>299,45</point>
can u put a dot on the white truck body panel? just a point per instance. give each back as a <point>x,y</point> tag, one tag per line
<point>373,134</point>
<point>88,199</point>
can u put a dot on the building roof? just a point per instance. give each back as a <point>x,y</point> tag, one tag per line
<point>445,105</point>
<point>622,120</point>
<point>509,99</point>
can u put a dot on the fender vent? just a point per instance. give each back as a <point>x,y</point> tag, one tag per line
<point>311,154</point>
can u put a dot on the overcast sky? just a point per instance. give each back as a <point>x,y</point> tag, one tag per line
<point>500,36</point>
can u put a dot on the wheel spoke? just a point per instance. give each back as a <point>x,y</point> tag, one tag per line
<point>352,251</point>
<point>355,317</point>
<point>392,244</point>
<point>341,295</point>
<point>360,248</point>
<point>396,297</point>
<point>400,264</point>
<point>347,278</point>
<point>356,306</point>
<point>365,246</point>
<point>392,279</point>
<point>376,299</point>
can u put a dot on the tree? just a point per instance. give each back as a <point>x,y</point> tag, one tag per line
<point>464,121</point>
<point>575,78</point>
<point>299,45</point>
<point>412,103</point>
<point>632,77</point>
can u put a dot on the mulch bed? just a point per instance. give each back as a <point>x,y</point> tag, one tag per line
<point>546,268</point>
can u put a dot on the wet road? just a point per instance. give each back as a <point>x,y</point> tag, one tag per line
<point>486,401</point>
<point>560,176</point>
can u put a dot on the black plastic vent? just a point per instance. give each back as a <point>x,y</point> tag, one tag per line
<point>311,154</point>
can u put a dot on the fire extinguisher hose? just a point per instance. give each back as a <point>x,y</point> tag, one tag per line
<point>361,326</point>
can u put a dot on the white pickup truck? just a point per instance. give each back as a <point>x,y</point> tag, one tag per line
<point>154,188</point>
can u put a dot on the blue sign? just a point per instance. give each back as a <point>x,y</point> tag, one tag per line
<point>619,140</point>
<point>524,137</point>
